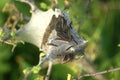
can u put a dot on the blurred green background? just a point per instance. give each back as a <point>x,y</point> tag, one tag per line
<point>98,22</point>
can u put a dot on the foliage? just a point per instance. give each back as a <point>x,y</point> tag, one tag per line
<point>100,26</point>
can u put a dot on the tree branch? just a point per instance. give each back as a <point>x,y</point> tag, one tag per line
<point>99,73</point>
<point>89,67</point>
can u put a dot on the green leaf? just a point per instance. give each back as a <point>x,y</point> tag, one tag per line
<point>69,77</point>
<point>43,5</point>
<point>39,78</point>
<point>36,69</point>
<point>118,45</point>
<point>42,55</point>
<point>12,34</point>
<point>2,34</point>
<point>27,70</point>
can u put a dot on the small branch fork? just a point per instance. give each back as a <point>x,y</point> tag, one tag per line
<point>98,73</point>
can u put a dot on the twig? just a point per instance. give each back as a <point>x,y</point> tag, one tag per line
<point>49,70</point>
<point>87,7</point>
<point>9,43</point>
<point>6,42</point>
<point>98,73</point>
<point>8,20</point>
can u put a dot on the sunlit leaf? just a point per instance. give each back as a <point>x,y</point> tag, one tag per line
<point>69,77</point>
<point>43,5</point>
<point>118,45</point>
<point>36,69</point>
